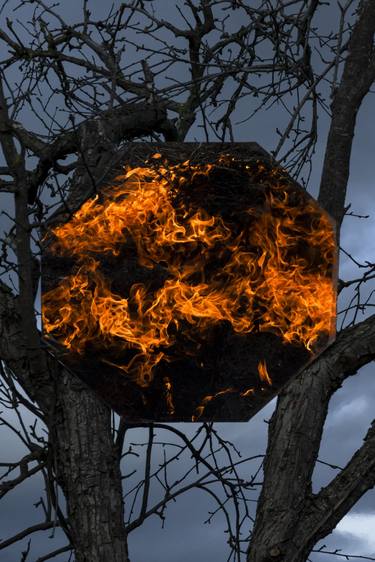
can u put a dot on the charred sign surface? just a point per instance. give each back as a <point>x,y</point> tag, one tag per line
<point>193,285</point>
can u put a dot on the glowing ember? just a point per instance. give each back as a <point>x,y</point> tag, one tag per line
<point>263,373</point>
<point>263,266</point>
<point>168,395</point>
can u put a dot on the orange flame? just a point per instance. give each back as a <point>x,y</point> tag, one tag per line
<point>169,395</point>
<point>202,406</point>
<point>263,373</point>
<point>266,284</point>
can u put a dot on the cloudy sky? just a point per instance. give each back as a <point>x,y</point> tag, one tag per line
<point>185,536</point>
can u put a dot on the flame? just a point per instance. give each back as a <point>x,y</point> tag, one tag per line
<point>202,406</point>
<point>169,395</point>
<point>265,283</point>
<point>247,392</point>
<point>263,373</point>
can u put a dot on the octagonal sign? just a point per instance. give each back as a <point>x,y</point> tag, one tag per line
<point>193,285</point>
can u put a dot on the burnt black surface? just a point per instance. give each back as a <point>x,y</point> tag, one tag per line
<point>200,364</point>
<point>230,361</point>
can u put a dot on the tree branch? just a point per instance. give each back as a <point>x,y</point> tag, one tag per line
<point>122,123</point>
<point>34,368</point>
<point>26,532</point>
<point>357,78</point>
<point>294,438</point>
<point>334,501</point>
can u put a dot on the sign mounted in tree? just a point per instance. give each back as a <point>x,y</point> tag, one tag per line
<point>192,286</point>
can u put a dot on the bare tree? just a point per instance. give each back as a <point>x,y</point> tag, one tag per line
<point>71,95</point>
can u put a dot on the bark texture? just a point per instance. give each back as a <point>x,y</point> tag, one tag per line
<point>85,460</point>
<point>87,468</point>
<point>290,520</point>
<point>357,78</point>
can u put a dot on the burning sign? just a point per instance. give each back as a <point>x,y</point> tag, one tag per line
<point>191,289</point>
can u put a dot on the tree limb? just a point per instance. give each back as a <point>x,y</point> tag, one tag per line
<point>357,78</point>
<point>26,532</point>
<point>294,438</point>
<point>334,501</point>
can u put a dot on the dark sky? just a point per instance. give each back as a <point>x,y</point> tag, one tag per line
<point>185,537</point>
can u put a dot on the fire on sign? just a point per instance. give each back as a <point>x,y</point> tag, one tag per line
<point>193,285</point>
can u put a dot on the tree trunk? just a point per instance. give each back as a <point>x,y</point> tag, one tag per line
<point>87,466</point>
<point>290,519</point>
